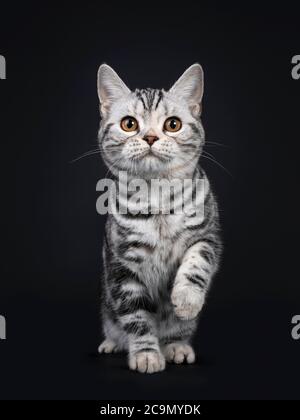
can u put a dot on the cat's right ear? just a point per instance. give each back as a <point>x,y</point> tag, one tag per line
<point>110,87</point>
<point>190,87</point>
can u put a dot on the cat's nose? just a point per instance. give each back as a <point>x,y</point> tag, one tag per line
<point>150,139</point>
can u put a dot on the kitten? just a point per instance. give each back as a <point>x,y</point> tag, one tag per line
<point>157,267</point>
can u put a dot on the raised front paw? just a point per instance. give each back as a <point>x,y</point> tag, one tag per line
<point>187,300</point>
<point>147,361</point>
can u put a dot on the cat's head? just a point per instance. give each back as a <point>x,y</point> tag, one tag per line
<point>150,132</point>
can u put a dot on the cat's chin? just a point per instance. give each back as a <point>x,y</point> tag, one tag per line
<point>148,166</point>
<point>154,157</point>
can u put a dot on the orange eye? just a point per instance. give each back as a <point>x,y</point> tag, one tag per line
<point>129,124</point>
<point>173,124</point>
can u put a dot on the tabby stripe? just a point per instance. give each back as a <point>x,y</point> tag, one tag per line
<point>120,273</point>
<point>160,96</point>
<point>196,279</point>
<point>147,349</point>
<point>129,306</point>
<point>138,328</point>
<point>141,216</point>
<point>135,244</point>
<point>106,130</point>
<point>194,128</point>
<point>207,255</point>
<point>139,95</point>
<point>145,343</point>
<point>123,228</point>
<point>198,226</point>
<point>133,258</point>
<point>176,338</point>
<point>150,96</point>
<point>212,242</point>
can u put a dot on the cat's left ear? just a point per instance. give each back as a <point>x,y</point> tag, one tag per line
<point>190,86</point>
<point>110,87</point>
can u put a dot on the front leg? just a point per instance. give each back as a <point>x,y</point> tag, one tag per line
<point>193,278</point>
<point>144,351</point>
<point>136,312</point>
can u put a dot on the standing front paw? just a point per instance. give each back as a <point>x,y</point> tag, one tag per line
<point>187,300</point>
<point>147,361</point>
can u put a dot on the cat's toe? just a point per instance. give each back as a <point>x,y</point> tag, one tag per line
<point>108,346</point>
<point>179,353</point>
<point>147,361</point>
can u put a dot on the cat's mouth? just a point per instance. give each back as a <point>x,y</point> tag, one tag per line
<point>152,153</point>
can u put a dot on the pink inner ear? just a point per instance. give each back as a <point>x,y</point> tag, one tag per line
<point>196,110</point>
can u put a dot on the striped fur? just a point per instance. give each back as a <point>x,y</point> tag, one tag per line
<point>157,267</point>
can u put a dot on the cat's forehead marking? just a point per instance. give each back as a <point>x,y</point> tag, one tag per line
<point>149,98</point>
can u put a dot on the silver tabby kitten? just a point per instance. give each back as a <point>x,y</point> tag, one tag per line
<point>157,267</point>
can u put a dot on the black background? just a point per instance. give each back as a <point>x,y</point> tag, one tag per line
<point>51,234</point>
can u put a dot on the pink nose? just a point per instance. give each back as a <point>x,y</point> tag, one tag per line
<point>150,139</point>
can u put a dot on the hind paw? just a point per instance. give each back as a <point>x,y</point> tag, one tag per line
<point>179,353</point>
<point>108,346</point>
